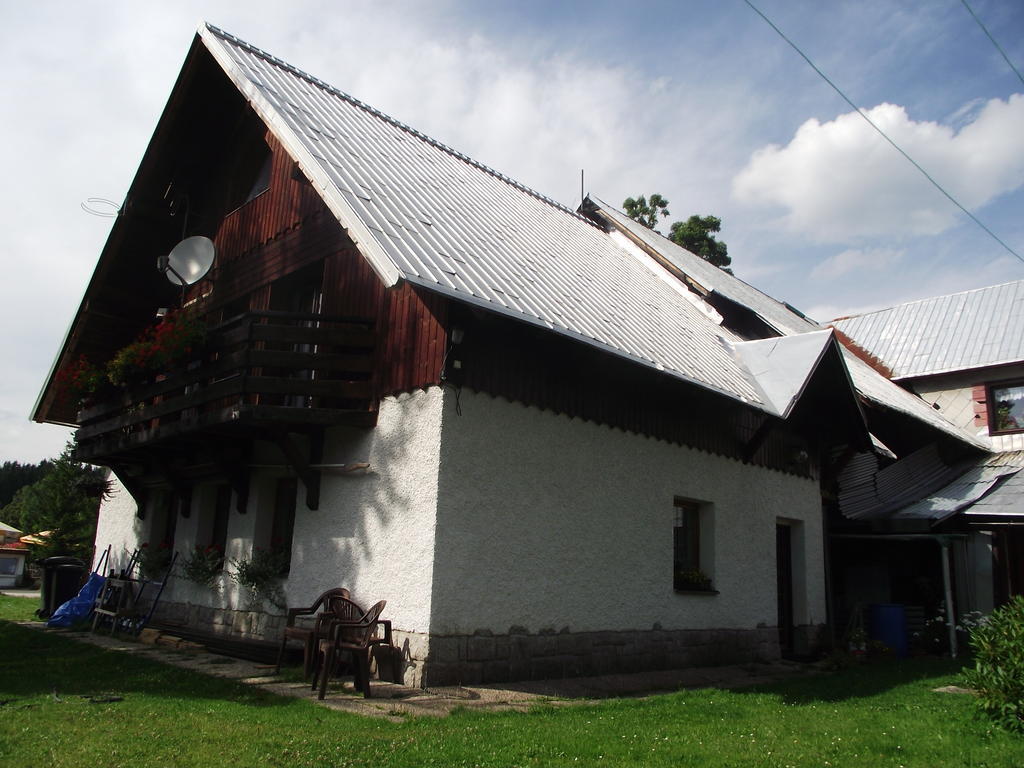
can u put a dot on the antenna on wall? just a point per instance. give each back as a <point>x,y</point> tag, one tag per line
<point>188,262</point>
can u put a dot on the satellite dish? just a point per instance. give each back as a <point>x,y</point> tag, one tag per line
<point>189,261</point>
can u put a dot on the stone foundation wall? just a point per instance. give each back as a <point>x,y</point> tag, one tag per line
<point>486,658</point>
<point>237,624</point>
<point>435,660</point>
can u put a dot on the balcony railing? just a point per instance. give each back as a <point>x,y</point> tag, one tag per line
<point>282,370</point>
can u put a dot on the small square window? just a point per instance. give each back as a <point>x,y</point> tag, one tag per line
<point>1006,407</point>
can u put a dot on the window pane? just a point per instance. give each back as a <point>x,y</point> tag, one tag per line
<point>284,516</point>
<point>221,511</point>
<point>687,536</point>
<point>1008,408</point>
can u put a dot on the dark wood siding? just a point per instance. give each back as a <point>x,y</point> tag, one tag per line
<point>283,229</point>
<point>535,367</point>
<point>410,321</point>
<point>288,227</point>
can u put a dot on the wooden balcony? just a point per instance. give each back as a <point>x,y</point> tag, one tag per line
<point>258,374</point>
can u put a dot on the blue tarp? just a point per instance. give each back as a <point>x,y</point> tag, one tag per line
<point>78,607</point>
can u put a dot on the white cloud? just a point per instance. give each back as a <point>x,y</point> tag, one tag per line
<point>840,179</point>
<point>856,260</point>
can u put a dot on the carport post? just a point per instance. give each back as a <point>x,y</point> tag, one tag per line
<point>947,583</point>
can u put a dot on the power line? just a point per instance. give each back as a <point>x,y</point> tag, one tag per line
<point>882,133</point>
<point>989,35</point>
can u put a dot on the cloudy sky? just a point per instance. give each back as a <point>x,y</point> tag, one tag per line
<point>699,100</point>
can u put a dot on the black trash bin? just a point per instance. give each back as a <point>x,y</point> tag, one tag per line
<point>62,578</point>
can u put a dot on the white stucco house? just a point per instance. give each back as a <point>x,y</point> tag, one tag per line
<point>555,442</point>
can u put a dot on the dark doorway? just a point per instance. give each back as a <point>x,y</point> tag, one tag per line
<point>784,580</point>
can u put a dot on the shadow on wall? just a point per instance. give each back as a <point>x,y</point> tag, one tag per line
<point>361,535</point>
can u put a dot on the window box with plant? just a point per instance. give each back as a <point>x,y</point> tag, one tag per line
<point>261,574</point>
<point>158,349</point>
<point>204,565</point>
<point>692,581</point>
<point>154,560</point>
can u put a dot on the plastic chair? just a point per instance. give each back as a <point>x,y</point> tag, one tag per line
<point>328,601</point>
<point>357,638</point>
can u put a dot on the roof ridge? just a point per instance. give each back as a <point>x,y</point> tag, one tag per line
<point>393,121</point>
<point>924,300</point>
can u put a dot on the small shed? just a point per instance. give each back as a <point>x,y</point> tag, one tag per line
<point>12,556</point>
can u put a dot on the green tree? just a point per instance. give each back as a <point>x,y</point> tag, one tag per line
<point>696,235</point>
<point>65,502</point>
<point>639,209</point>
<point>15,475</point>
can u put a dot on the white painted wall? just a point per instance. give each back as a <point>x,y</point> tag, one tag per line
<point>373,532</point>
<point>550,522</point>
<point>117,526</point>
<point>510,516</point>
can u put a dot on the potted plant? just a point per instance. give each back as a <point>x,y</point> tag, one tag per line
<point>203,565</point>
<point>261,574</point>
<point>81,380</point>
<point>157,349</point>
<point>153,561</point>
<point>692,580</point>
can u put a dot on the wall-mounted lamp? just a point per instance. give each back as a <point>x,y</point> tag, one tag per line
<point>457,335</point>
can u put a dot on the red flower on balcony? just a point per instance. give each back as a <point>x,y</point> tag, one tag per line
<point>157,349</point>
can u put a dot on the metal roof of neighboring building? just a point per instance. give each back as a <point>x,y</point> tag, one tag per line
<point>1006,500</point>
<point>964,493</point>
<point>960,331</point>
<point>868,382</point>
<point>922,487</point>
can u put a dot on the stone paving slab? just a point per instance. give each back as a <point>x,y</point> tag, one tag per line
<point>395,702</point>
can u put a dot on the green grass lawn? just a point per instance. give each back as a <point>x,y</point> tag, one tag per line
<point>52,713</point>
<point>18,608</point>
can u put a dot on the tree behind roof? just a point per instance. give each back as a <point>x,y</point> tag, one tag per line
<point>696,234</point>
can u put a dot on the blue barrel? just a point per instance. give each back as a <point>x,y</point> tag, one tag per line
<point>889,626</point>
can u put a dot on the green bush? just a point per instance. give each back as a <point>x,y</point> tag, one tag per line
<point>261,574</point>
<point>998,675</point>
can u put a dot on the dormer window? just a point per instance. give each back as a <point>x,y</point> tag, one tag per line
<point>1006,407</point>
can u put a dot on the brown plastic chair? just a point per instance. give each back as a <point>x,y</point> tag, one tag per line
<point>342,609</point>
<point>356,638</point>
<point>309,635</point>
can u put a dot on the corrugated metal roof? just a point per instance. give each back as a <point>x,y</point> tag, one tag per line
<point>967,490</point>
<point>1007,499</point>
<point>878,389</point>
<point>867,492</point>
<point>957,332</point>
<point>710,277</point>
<point>422,212</point>
<point>923,487</point>
<point>868,382</point>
